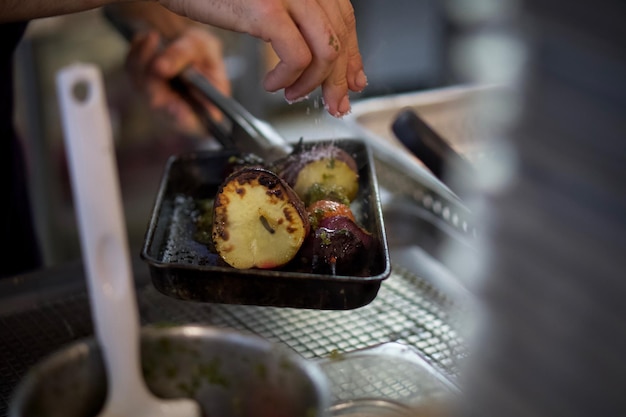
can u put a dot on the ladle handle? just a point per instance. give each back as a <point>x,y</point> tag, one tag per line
<point>91,158</point>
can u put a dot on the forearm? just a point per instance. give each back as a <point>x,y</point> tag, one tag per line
<point>152,15</point>
<point>21,10</point>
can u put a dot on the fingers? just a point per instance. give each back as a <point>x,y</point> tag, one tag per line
<point>357,80</point>
<point>317,45</point>
<point>210,63</point>
<point>335,86</point>
<point>203,51</point>
<point>152,65</point>
<point>307,52</point>
<point>315,41</point>
<point>142,49</point>
<point>139,63</point>
<point>295,47</point>
<point>348,70</point>
<point>326,47</point>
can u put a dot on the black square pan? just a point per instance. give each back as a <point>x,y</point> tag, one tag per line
<point>183,268</point>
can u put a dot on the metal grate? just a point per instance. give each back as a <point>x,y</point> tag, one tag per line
<point>407,310</point>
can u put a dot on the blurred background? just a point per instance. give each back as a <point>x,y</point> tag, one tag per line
<point>404,49</point>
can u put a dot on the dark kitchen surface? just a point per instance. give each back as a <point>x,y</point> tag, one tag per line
<point>42,312</point>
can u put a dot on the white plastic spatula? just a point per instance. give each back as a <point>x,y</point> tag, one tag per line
<point>90,150</point>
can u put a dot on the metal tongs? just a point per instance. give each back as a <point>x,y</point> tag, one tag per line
<point>246,133</point>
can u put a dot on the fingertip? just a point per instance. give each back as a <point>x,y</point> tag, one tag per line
<point>296,100</point>
<point>294,93</point>
<point>270,83</point>
<point>340,109</point>
<point>149,39</point>
<point>360,81</point>
<point>163,66</point>
<point>344,106</point>
<point>288,69</point>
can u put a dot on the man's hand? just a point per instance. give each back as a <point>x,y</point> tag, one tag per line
<point>315,41</point>
<point>152,62</point>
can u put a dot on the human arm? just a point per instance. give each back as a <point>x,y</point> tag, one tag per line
<point>315,40</point>
<point>23,10</point>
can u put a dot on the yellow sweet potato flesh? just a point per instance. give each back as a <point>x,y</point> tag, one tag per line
<point>328,173</point>
<point>257,222</point>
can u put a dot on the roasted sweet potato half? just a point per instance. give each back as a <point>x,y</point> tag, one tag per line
<point>325,166</point>
<point>338,246</point>
<point>258,220</point>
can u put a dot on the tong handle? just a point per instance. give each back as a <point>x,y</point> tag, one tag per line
<point>253,135</point>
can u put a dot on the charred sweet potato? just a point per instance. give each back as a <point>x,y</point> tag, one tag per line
<point>338,246</point>
<point>327,166</point>
<point>258,220</point>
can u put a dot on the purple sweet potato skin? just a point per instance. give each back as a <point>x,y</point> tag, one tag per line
<point>338,246</point>
<point>274,184</point>
<point>289,168</point>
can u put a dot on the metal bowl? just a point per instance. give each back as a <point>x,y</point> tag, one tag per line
<point>228,373</point>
